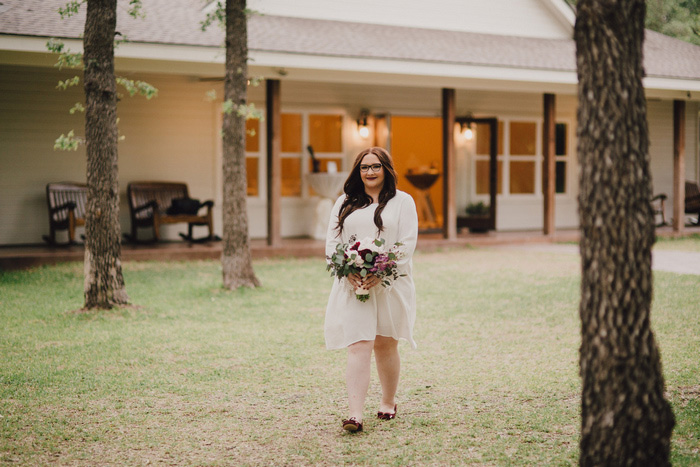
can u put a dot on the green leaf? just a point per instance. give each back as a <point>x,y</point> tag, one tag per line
<point>55,45</point>
<point>67,142</point>
<point>65,57</point>
<point>74,81</point>
<point>368,257</point>
<point>135,9</point>
<point>70,9</point>
<point>140,87</point>
<point>363,273</point>
<point>218,16</point>
<point>78,107</point>
<point>228,106</point>
<point>256,80</point>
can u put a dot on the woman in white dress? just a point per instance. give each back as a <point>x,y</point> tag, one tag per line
<point>372,207</point>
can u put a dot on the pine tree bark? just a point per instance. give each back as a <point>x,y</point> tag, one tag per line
<point>625,418</point>
<point>236,258</point>
<point>104,283</point>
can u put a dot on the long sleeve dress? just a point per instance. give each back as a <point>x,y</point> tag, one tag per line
<point>390,311</point>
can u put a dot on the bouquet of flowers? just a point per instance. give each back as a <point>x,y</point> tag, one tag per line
<point>367,256</point>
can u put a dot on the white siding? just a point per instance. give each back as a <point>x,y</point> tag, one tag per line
<point>168,138</point>
<point>660,118</point>
<point>514,213</point>
<point>529,18</point>
<point>32,115</point>
<point>176,137</point>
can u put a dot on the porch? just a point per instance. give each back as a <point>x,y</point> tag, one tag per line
<point>20,257</point>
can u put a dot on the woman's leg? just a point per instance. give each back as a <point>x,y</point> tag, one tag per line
<point>357,376</point>
<point>386,354</point>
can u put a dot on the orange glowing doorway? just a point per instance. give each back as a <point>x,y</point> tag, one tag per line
<point>415,144</point>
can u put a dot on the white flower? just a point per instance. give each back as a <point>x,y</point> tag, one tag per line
<point>398,251</point>
<point>359,261</point>
<point>370,244</point>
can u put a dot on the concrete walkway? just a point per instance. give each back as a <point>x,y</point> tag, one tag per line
<point>681,262</point>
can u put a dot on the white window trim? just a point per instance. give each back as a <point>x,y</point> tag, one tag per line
<point>261,154</point>
<point>305,156</point>
<point>506,158</point>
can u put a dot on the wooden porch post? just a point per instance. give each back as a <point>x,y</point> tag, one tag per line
<point>678,165</point>
<point>549,173</point>
<point>274,164</point>
<point>449,211</point>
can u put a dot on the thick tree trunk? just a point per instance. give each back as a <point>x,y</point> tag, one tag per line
<point>625,418</point>
<point>104,283</point>
<point>236,258</point>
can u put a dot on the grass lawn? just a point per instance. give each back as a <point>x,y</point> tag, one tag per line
<point>689,243</point>
<point>194,375</point>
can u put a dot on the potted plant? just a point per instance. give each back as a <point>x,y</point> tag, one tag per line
<point>477,209</point>
<point>477,219</point>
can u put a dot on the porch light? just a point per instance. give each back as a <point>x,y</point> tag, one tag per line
<point>362,127</point>
<point>467,131</point>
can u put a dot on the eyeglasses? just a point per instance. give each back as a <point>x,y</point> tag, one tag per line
<point>374,167</point>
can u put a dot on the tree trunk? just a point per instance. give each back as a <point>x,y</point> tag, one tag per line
<point>236,258</point>
<point>104,283</point>
<point>625,418</point>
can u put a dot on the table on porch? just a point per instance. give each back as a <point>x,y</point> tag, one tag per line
<point>328,185</point>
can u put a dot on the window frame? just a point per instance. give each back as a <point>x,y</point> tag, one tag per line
<point>538,158</point>
<point>323,155</point>
<point>259,155</point>
<point>304,156</point>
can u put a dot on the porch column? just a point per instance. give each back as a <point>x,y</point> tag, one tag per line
<point>449,211</point>
<point>274,164</point>
<point>549,173</point>
<point>678,166</point>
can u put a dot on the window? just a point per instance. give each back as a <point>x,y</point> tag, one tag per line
<point>522,155</point>
<point>326,138</point>
<point>253,156</point>
<point>561,145</point>
<point>291,129</point>
<point>324,133</point>
<point>483,161</point>
<point>520,161</point>
<point>561,149</point>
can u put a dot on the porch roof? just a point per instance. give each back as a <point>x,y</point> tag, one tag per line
<point>276,41</point>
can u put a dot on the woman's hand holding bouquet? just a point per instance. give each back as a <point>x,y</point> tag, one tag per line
<point>366,258</point>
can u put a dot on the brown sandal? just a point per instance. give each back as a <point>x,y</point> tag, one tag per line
<point>352,425</point>
<point>387,415</point>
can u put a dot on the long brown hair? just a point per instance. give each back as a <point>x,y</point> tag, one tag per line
<point>355,196</point>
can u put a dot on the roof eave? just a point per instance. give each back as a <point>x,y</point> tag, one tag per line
<point>209,61</point>
<point>563,12</point>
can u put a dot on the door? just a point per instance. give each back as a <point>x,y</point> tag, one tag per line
<point>416,147</point>
<point>487,171</point>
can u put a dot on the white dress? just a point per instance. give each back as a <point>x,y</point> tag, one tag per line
<point>390,311</point>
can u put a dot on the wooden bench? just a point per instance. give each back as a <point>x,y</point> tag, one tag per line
<point>148,207</point>
<point>658,205</point>
<point>67,202</point>
<point>692,200</point>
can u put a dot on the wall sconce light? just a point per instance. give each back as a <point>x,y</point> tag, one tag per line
<point>467,130</point>
<point>362,127</point>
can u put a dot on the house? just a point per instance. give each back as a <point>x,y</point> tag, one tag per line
<point>432,81</point>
